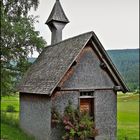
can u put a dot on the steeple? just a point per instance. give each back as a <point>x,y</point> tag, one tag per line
<point>56,22</point>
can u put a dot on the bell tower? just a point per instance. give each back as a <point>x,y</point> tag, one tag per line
<point>56,22</point>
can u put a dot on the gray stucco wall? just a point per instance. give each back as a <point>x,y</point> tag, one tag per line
<point>87,73</point>
<point>106,114</point>
<point>35,115</point>
<point>60,100</point>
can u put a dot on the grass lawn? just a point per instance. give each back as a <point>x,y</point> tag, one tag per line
<point>128,118</point>
<point>9,132</point>
<point>10,120</point>
<point>10,100</point>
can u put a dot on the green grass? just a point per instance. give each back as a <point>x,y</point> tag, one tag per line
<point>10,100</point>
<point>9,132</point>
<point>10,129</point>
<point>128,118</point>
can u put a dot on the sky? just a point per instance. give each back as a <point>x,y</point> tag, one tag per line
<point>115,22</point>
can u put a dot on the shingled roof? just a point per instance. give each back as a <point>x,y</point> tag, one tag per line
<point>55,60</point>
<point>57,14</point>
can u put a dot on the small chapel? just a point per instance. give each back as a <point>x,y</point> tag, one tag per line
<point>77,69</point>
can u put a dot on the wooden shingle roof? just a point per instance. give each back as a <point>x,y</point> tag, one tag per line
<point>57,14</point>
<point>55,60</point>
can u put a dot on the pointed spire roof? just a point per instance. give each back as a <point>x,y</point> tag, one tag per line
<point>57,14</point>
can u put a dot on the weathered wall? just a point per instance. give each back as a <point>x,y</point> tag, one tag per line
<point>106,114</point>
<point>60,100</point>
<point>87,72</point>
<point>35,115</point>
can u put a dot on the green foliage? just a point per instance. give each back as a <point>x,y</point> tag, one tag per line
<point>10,108</point>
<point>18,40</point>
<point>75,124</point>
<point>137,91</point>
<point>127,62</point>
<point>78,125</point>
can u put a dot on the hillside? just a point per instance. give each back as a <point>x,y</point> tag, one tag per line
<point>127,62</point>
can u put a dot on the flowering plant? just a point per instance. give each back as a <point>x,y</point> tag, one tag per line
<point>75,124</point>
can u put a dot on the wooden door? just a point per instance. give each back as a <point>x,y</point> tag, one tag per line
<point>87,105</point>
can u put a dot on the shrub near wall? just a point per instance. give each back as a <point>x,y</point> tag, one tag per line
<point>76,125</point>
<point>10,108</point>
